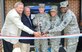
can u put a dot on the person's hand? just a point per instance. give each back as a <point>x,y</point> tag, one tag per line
<point>16,45</point>
<point>46,32</point>
<point>45,35</point>
<point>37,34</point>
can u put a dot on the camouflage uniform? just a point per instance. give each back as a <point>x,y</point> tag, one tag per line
<point>70,26</point>
<point>41,21</point>
<point>55,43</point>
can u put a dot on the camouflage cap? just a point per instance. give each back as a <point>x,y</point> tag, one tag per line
<point>54,8</point>
<point>64,4</point>
<point>41,5</point>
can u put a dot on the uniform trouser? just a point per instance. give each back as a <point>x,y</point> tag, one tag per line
<point>71,44</point>
<point>55,44</point>
<point>7,46</point>
<point>41,45</point>
<point>25,47</point>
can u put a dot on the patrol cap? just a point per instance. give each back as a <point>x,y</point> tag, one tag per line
<point>54,8</point>
<point>64,4</point>
<point>41,5</point>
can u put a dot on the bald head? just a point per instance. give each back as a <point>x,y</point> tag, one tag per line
<point>27,11</point>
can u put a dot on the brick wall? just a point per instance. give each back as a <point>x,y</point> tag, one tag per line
<point>74,5</point>
<point>9,5</point>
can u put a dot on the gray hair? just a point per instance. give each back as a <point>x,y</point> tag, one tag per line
<point>18,3</point>
<point>26,7</point>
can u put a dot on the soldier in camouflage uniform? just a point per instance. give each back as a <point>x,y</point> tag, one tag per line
<point>41,21</point>
<point>69,25</point>
<point>54,21</point>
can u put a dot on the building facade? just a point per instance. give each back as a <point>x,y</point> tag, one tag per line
<point>6,5</point>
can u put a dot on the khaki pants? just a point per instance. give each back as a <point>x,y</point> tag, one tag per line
<point>25,47</point>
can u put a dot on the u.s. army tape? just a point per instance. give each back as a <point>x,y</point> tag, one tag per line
<point>62,36</point>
